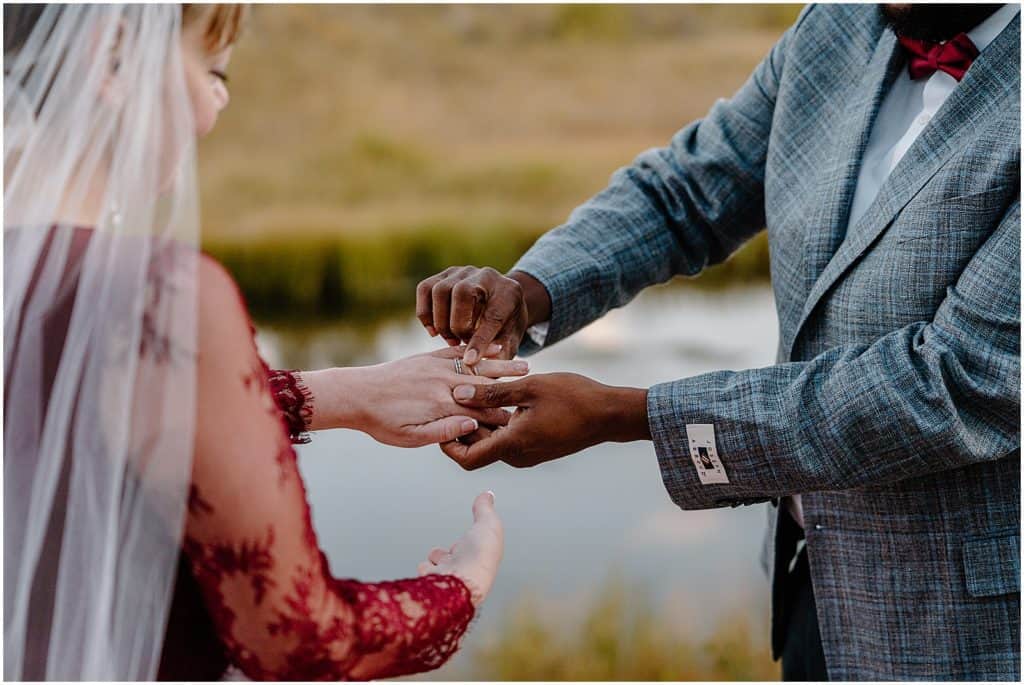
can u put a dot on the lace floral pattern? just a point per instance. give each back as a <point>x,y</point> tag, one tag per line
<point>295,402</point>
<point>251,546</point>
<point>427,617</point>
<point>156,339</point>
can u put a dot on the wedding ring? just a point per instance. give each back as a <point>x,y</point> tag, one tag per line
<point>460,368</point>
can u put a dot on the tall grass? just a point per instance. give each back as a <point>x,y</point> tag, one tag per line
<point>622,637</point>
<point>358,275</point>
<point>371,276</point>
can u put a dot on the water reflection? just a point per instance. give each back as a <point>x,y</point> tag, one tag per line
<point>570,523</point>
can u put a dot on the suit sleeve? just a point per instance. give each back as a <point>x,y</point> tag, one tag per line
<point>928,397</point>
<point>675,210</point>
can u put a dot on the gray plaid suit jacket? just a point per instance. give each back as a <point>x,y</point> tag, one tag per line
<point>894,405</point>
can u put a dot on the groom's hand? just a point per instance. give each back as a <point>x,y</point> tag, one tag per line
<point>480,307</point>
<point>556,415</point>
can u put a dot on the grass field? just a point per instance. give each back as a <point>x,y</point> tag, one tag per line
<point>369,146</point>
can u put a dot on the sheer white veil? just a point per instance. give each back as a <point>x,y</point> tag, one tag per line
<point>100,229</point>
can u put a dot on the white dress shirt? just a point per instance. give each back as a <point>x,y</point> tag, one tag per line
<point>905,112</point>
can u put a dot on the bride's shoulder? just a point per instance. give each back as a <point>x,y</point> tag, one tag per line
<point>222,308</point>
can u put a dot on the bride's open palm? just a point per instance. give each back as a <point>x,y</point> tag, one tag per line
<point>474,557</point>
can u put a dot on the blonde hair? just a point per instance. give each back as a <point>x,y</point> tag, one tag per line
<point>222,24</point>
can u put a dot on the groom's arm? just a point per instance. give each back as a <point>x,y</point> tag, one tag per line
<point>929,397</point>
<point>675,210</point>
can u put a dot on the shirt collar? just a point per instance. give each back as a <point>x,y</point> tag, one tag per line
<point>986,32</point>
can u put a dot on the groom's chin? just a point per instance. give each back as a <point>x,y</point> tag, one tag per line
<point>934,22</point>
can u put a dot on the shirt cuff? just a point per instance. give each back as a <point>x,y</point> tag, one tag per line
<point>538,333</point>
<point>569,312</point>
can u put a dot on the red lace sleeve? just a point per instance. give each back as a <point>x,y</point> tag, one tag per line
<point>251,544</point>
<point>295,402</point>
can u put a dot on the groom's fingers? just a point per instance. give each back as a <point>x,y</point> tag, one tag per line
<point>475,452</point>
<point>489,416</point>
<point>465,456</point>
<point>424,302</point>
<point>510,394</point>
<point>509,343</point>
<point>476,436</point>
<point>464,452</point>
<point>496,314</point>
<point>467,300</point>
<point>440,303</point>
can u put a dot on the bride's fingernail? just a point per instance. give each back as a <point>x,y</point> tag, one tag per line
<point>470,425</point>
<point>471,357</point>
<point>463,392</point>
<point>521,367</point>
<point>491,493</point>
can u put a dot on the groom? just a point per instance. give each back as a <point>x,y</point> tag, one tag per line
<point>880,149</point>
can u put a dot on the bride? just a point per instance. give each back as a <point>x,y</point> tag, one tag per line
<point>140,420</point>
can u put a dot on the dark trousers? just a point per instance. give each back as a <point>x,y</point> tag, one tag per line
<point>802,656</point>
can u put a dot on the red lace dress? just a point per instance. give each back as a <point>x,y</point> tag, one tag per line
<point>269,603</point>
<point>253,587</point>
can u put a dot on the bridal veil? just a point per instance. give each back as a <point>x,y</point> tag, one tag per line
<point>99,275</point>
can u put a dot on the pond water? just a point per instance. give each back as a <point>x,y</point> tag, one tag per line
<point>570,524</point>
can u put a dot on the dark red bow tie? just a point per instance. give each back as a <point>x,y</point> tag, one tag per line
<point>953,57</point>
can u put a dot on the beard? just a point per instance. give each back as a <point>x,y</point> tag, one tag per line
<point>934,23</point>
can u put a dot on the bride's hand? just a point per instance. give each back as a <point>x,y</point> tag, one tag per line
<point>475,557</point>
<point>407,402</point>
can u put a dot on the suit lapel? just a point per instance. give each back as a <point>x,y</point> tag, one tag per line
<point>992,81</point>
<point>839,178</point>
